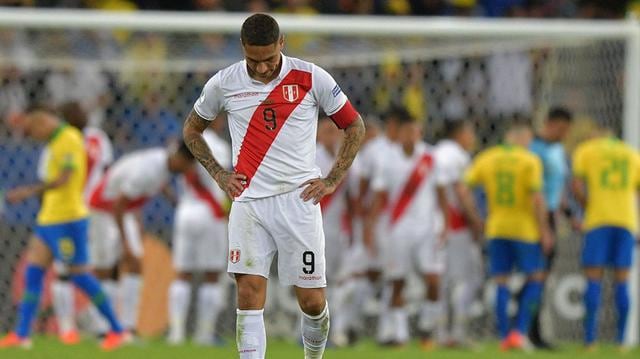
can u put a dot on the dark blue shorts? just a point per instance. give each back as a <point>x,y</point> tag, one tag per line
<point>608,247</point>
<point>505,254</point>
<point>67,241</point>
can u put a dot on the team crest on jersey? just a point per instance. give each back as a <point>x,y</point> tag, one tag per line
<point>234,256</point>
<point>290,92</point>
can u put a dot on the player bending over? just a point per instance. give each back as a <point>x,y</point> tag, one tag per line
<point>200,245</point>
<point>61,230</point>
<point>606,180</point>
<point>409,180</point>
<point>517,227</point>
<point>272,103</point>
<point>116,231</point>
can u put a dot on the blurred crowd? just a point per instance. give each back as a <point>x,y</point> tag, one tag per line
<point>604,9</point>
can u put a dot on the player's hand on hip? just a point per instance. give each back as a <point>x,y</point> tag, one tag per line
<point>316,189</point>
<point>232,183</point>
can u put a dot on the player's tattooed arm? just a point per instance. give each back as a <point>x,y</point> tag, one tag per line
<point>318,188</point>
<point>194,126</point>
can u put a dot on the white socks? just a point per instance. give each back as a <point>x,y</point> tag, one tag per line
<point>130,285</point>
<point>209,305</point>
<point>179,298</point>
<point>400,321</point>
<point>315,331</point>
<point>63,305</point>
<point>430,316</point>
<point>251,337</point>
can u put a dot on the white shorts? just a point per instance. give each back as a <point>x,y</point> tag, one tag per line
<point>464,257</point>
<point>199,240</point>
<point>284,224</point>
<point>336,245</point>
<point>105,246</point>
<point>381,237</point>
<point>356,258</point>
<point>408,248</point>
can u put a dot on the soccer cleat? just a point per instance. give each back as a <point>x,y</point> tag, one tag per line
<point>113,341</point>
<point>590,348</point>
<point>428,345</point>
<point>516,340</point>
<point>12,340</point>
<point>71,337</point>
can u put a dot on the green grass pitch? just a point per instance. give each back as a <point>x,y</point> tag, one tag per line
<point>49,348</point>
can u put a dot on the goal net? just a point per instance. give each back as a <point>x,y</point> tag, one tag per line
<point>138,75</point>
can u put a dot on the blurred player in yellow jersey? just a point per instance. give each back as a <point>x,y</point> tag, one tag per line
<point>61,229</point>
<point>606,180</point>
<point>516,227</point>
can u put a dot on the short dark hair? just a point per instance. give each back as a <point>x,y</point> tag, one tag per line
<point>185,152</point>
<point>260,30</point>
<point>453,126</point>
<point>398,114</point>
<point>74,114</point>
<point>560,113</point>
<point>39,107</point>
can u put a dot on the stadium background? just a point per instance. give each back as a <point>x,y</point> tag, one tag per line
<point>140,85</point>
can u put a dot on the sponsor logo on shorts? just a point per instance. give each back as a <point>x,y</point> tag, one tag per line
<point>310,277</point>
<point>234,256</point>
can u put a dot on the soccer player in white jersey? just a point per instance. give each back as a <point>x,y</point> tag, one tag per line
<point>463,275</point>
<point>369,159</point>
<point>115,231</point>
<point>335,209</point>
<point>272,103</point>
<point>99,157</point>
<point>200,245</point>
<point>409,184</point>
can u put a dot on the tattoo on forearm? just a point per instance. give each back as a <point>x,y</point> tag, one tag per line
<point>192,134</point>
<point>354,135</point>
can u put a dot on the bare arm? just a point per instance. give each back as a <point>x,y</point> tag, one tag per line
<point>194,126</point>
<point>443,204</point>
<point>372,217</point>
<point>540,208</point>
<point>469,208</point>
<point>21,193</point>
<point>318,188</point>
<point>579,191</point>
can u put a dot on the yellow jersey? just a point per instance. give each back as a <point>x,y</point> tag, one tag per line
<point>510,176</point>
<point>611,171</point>
<point>65,150</point>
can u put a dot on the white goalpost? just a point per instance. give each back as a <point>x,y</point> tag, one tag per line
<point>484,69</point>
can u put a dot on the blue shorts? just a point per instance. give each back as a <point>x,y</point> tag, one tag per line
<point>608,247</point>
<point>67,241</point>
<point>504,254</point>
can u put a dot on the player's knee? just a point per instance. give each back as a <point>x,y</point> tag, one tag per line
<point>250,295</point>
<point>312,304</point>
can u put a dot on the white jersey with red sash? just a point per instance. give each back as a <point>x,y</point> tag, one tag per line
<point>198,187</point>
<point>453,160</point>
<point>410,183</point>
<point>99,157</point>
<point>273,126</point>
<point>138,176</point>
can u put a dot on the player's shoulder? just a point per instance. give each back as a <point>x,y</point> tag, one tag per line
<point>295,63</point>
<point>450,151</point>
<point>70,136</point>
<point>228,75</point>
